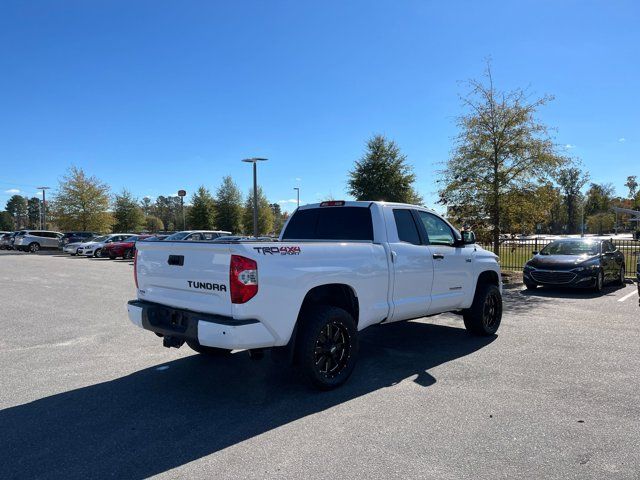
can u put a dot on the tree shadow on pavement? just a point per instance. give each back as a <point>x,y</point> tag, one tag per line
<point>162,417</point>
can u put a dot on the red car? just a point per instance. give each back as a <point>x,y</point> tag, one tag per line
<point>124,249</point>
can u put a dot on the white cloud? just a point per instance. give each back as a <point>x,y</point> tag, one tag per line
<point>291,200</point>
<point>622,140</point>
<point>569,146</point>
<point>298,179</point>
<point>12,191</point>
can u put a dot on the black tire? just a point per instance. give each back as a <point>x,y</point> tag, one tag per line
<point>485,314</point>
<point>128,254</point>
<point>112,257</point>
<point>327,346</point>
<point>530,286</point>
<point>599,286</point>
<point>209,351</point>
<point>620,280</point>
<point>33,247</point>
<point>97,253</point>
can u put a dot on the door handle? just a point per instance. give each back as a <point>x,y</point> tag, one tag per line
<point>438,256</point>
<point>394,255</point>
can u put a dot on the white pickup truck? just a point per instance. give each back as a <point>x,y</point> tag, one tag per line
<point>337,268</point>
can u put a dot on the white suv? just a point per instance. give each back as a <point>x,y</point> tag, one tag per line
<point>34,240</point>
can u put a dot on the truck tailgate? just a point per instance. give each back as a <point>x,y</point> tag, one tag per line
<point>189,275</point>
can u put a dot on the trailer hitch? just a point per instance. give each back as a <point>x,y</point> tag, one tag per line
<point>172,342</point>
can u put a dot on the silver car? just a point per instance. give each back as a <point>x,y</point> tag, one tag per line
<point>34,240</point>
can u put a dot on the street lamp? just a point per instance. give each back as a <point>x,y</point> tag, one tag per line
<point>255,191</point>
<point>44,207</point>
<point>182,194</point>
<point>297,189</point>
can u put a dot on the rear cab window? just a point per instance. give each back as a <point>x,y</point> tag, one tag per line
<point>406,226</point>
<point>330,223</point>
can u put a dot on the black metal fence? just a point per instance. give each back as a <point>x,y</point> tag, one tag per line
<point>514,253</point>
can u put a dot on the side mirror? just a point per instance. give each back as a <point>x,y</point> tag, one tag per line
<point>535,252</point>
<point>468,238</point>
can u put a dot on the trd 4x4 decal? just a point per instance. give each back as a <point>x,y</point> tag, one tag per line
<point>278,250</point>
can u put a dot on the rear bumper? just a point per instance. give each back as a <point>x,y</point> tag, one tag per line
<point>209,330</point>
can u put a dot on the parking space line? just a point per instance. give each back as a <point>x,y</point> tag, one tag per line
<point>629,295</point>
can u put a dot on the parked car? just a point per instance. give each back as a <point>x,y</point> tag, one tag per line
<point>5,240</point>
<point>638,277</point>
<point>35,240</point>
<point>575,262</point>
<point>337,268</point>
<point>75,237</point>
<point>72,248</point>
<point>124,248</point>
<point>95,246</point>
<point>197,235</point>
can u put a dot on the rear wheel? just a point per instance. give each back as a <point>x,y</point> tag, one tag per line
<point>34,247</point>
<point>209,351</point>
<point>485,314</point>
<point>620,280</point>
<point>327,346</point>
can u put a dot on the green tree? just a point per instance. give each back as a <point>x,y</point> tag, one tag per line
<point>127,213</point>
<point>571,181</point>
<point>169,210</point>
<point>153,224</point>
<point>7,223</point>
<point>501,148</point>
<point>33,212</point>
<point>82,203</point>
<point>202,214</point>
<point>17,208</point>
<point>632,185</point>
<point>279,217</point>
<point>601,223</point>
<point>383,174</point>
<point>229,207</point>
<point>599,198</point>
<point>265,214</point>
<point>146,205</point>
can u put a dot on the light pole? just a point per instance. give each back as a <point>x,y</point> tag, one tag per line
<point>255,191</point>
<point>44,207</point>
<point>297,189</point>
<point>182,194</point>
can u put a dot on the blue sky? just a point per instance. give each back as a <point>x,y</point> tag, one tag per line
<point>156,95</point>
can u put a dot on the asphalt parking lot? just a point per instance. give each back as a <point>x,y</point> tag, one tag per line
<point>87,395</point>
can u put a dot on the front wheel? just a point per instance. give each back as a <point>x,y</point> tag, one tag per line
<point>530,286</point>
<point>327,346</point>
<point>34,247</point>
<point>485,314</point>
<point>128,254</point>
<point>98,253</point>
<point>620,280</point>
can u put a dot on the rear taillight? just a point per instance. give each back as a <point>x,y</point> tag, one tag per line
<point>135,267</point>
<point>243,279</point>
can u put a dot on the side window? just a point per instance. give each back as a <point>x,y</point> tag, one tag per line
<point>208,236</point>
<point>406,226</point>
<point>437,230</point>
<point>196,237</point>
<point>609,247</point>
